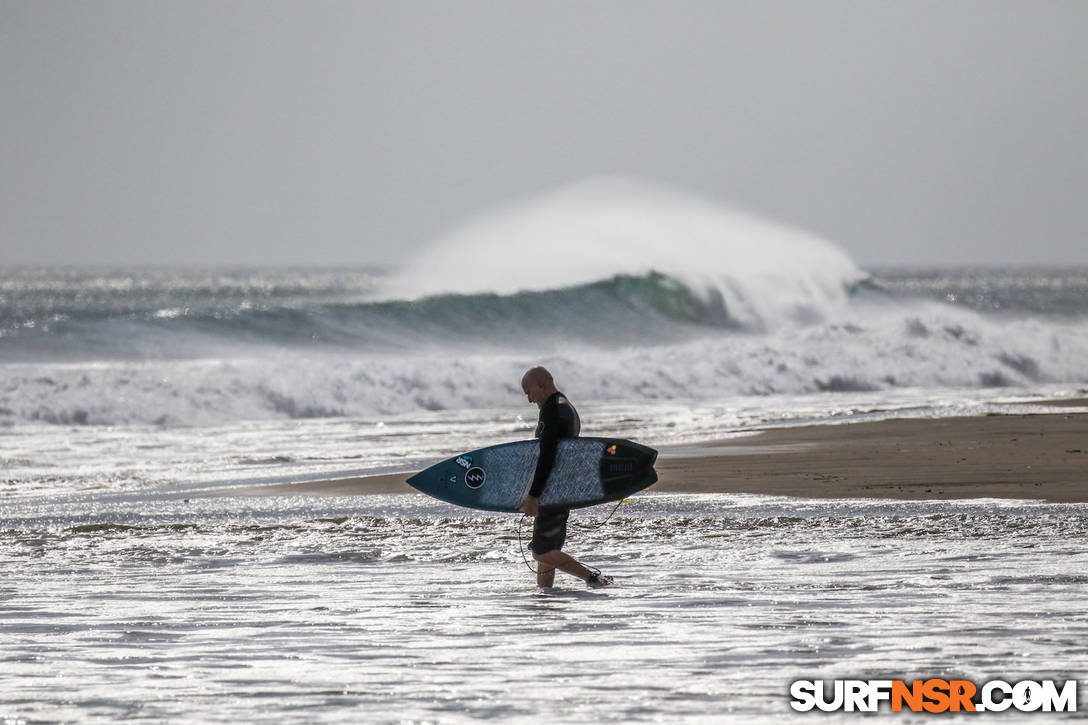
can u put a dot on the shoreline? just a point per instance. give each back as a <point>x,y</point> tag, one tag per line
<point>1018,456</point>
<point>1014,456</point>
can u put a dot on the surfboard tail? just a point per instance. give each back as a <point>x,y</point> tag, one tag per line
<point>651,478</point>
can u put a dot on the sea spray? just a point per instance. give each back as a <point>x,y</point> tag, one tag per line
<point>759,273</point>
<point>629,291</point>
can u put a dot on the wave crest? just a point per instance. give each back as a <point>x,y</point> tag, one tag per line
<point>761,273</point>
<point>623,309</point>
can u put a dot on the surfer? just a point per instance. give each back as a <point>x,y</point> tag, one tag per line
<point>558,419</point>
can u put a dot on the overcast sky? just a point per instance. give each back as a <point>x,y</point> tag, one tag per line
<point>348,133</point>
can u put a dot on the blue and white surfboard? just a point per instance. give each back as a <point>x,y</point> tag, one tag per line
<point>587,471</point>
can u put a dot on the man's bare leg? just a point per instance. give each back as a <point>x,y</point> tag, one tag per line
<point>556,559</point>
<point>545,575</point>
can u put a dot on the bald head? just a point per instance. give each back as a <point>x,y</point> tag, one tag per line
<point>537,375</point>
<point>538,385</point>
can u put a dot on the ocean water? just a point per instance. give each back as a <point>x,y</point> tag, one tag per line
<point>134,402</point>
<point>398,609</point>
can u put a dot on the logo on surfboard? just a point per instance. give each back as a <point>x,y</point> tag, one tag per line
<point>464,461</point>
<point>475,477</point>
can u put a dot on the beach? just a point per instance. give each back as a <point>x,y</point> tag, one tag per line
<point>1015,456</point>
<point>996,456</point>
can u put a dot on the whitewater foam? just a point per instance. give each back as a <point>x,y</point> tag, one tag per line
<point>870,348</point>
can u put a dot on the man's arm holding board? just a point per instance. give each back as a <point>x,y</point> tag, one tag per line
<point>549,446</point>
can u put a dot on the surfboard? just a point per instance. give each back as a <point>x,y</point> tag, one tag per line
<point>587,471</point>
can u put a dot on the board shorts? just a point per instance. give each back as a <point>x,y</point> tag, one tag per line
<point>549,531</point>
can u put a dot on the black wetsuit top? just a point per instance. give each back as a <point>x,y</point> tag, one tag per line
<point>558,419</point>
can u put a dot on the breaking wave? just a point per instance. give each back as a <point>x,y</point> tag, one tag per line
<point>603,262</point>
<point>618,310</point>
<point>630,290</point>
<point>749,272</point>
<point>930,347</point>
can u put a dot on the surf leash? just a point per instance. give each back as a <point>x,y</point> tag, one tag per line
<point>521,544</point>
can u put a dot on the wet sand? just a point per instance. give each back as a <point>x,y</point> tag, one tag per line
<point>1001,456</point>
<point>1037,456</point>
